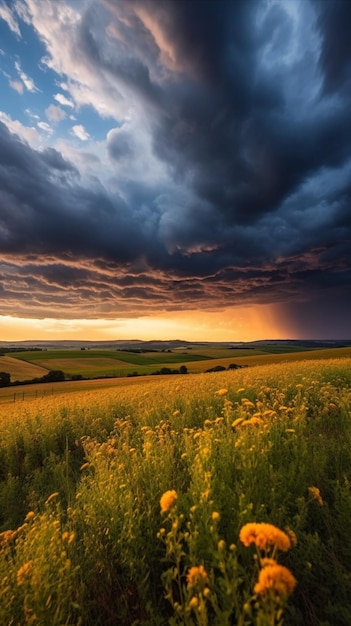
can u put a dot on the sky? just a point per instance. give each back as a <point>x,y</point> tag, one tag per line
<point>175,169</point>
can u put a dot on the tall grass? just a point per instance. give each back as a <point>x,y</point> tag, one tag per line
<point>87,538</point>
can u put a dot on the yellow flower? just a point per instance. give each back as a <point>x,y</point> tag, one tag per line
<point>247,403</point>
<point>316,495</point>
<point>22,573</point>
<point>292,536</point>
<point>215,515</point>
<point>237,422</point>
<point>264,535</point>
<point>253,421</point>
<point>7,536</point>
<point>167,500</point>
<point>197,575</point>
<point>29,516</point>
<point>193,602</point>
<point>221,392</point>
<point>277,579</point>
<point>52,497</point>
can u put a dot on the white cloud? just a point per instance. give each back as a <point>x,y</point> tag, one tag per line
<point>44,126</point>
<point>16,85</point>
<point>55,114</point>
<point>7,15</point>
<point>79,131</point>
<point>61,98</point>
<point>27,81</point>
<point>58,26</point>
<point>29,134</point>
<point>34,116</point>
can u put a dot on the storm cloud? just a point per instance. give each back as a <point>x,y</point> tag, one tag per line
<point>228,164</point>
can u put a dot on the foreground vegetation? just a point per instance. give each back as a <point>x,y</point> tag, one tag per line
<point>209,499</point>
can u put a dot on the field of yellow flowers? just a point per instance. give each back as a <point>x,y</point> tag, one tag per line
<point>210,499</point>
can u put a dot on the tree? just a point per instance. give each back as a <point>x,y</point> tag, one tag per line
<point>53,376</point>
<point>183,369</point>
<point>5,379</point>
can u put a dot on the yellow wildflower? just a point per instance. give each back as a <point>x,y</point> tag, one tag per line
<point>215,515</point>
<point>22,573</point>
<point>167,500</point>
<point>52,497</point>
<point>193,602</point>
<point>29,516</point>
<point>247,403</point>
<point>221,545</point>
<point>197,575</point>
<point>277,579</point>
<point>264,535</point>
<point>237,422</point>
<point>292,536</point>
<point>7,536</point>
<point>316,495</point>
<point>221,392</point>
<point>253,421</point>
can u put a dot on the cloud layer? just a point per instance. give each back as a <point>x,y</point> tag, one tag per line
<point>224,178</point>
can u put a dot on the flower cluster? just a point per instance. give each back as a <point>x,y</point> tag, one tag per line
<point>275,578</point>
<point>197,575</point>
<point>167,500</point>
<point>264,536</point>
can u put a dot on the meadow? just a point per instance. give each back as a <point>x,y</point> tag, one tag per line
<point>208,499</point>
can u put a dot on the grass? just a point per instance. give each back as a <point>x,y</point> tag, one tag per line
<point>89,537</point>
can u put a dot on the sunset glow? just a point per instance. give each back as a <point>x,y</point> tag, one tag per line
<point>242,324</point>
<point>175,169</point>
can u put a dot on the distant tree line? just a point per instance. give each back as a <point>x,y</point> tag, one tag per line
<point>221,368</point>
<point>5,350</point>
<point>53,376</point>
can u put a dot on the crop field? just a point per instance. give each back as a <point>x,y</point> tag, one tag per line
<point>212,499</point>
<point>20,370</point>
<point>95,363</point>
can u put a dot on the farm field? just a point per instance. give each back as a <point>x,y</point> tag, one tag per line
<point>95,363</point>
<point>21,370</point>
<point>212,499</point>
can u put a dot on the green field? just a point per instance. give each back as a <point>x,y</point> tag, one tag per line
<point>213,499</point>
<point>114,363</point>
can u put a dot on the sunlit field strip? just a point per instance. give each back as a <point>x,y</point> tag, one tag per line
<point>264,359</point>
<point>19,370</point>
<point>43,390</point>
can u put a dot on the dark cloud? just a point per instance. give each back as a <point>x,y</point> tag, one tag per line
<point>120,144</point>
<point>247,105</point>
<point>334,20</point>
